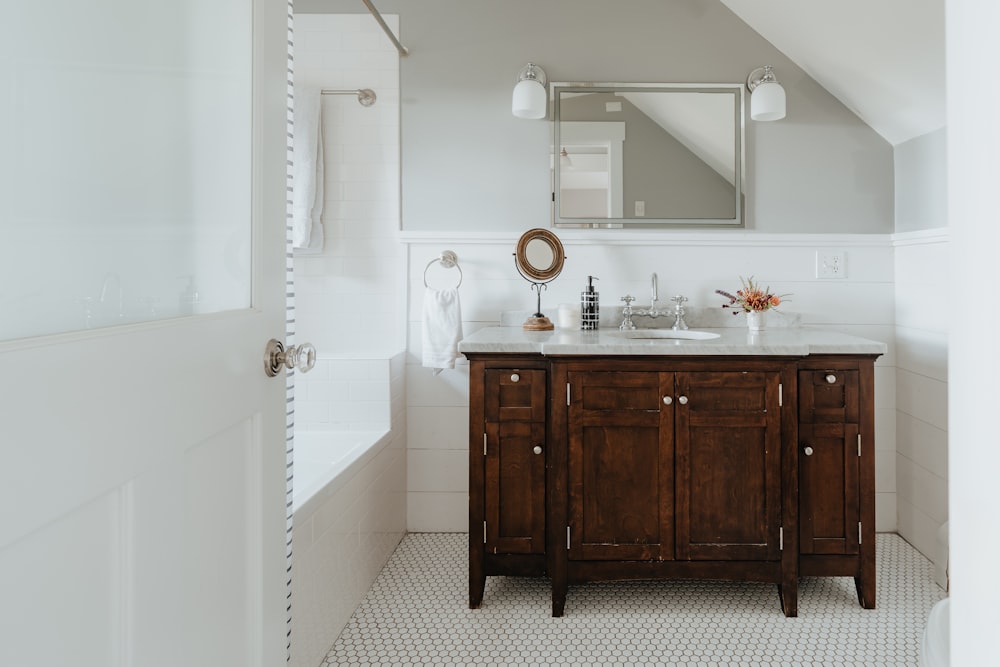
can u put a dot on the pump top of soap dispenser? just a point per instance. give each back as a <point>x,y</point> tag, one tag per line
<point>590,283</point>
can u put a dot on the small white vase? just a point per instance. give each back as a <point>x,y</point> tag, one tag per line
<point>756,320</point>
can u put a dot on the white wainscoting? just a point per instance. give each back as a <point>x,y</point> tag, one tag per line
<point>691,263</point>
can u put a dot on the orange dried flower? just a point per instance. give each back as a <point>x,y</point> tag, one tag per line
<point>751,298</point>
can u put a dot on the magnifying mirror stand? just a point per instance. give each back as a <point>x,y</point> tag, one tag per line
<point>538,321</point>
<point>539,259</point>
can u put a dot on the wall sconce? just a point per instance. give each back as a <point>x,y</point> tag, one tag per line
<point>531,97</point>
<point>767,97</point>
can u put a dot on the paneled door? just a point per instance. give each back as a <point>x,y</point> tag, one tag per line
<point>142,271</point>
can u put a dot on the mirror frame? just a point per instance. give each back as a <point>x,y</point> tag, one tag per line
<point>532,272</point>
<point>736,89</point>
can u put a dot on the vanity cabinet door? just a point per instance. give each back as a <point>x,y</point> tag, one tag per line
<point>728,441</point>
<point>514,450</point>
<point>620,439</point>
<point>829,462</point>
<point>829,506</point>
<point>515,487</point>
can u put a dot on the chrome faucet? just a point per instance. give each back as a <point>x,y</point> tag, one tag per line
<point>652,311</point>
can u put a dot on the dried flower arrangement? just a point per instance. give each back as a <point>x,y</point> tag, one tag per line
<point>751,298</point>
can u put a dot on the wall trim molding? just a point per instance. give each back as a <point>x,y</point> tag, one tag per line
<point>921,237</point>
<point>720,238</point>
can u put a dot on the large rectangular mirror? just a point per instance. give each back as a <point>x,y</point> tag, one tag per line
<point>647,155</point>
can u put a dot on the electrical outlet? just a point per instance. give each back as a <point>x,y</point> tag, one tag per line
<point>831,264</point>
<point>640,208</point>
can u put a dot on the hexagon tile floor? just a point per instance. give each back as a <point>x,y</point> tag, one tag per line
<point>417,613</point>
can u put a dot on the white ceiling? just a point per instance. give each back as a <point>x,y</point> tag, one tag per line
<point>883,59</point>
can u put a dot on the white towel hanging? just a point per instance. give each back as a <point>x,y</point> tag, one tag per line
<point>307,171</point>
<point>442,328</point>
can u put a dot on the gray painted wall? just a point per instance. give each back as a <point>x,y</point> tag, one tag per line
<point>658,169</point>
<point>468,164</point>
<point>921,182</point>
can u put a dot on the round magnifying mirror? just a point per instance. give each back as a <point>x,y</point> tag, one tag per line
<point>539,258</point>
<point>540,255</point>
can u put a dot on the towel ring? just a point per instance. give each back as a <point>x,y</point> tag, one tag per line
<point>448,259</point>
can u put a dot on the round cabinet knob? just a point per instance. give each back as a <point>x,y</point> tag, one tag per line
<point>667,400</point>
<point>537,449</point>
<point>514,377</point>
<point>831,378</point>
<point>683,400</point>
<point>808,451</point>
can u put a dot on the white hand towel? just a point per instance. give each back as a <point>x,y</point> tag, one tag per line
<point>307,171</point>
<point>442,328</point>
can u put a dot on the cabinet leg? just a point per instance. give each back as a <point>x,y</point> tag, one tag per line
<point>789,594</point>
<point>865,581</point>
<point>558,605</point>
<point>558,599</point>
<point>476,588</point>
<point>866,589</point>
<point>477,582</point>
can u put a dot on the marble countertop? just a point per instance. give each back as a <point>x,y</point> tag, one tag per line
<point>732,341</point>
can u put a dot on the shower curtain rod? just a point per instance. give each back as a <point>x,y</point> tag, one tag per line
<point>403,51</point>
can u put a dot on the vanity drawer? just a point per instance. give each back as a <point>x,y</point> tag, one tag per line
<point>829,396</point>
<point>515,394</point>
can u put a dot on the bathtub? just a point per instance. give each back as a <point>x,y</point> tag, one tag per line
<point>325,460</point>
<point>348,515</point>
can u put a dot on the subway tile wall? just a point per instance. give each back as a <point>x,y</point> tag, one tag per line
<point>349,297</point>
<point>344,395</point>
<point>694,264</point>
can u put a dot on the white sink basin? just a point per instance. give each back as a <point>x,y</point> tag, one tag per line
<point>670,334</point>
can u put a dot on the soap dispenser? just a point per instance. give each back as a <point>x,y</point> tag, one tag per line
<point>590,307</point>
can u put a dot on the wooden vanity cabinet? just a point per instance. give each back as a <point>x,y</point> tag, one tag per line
<point>836,490</point>
<point>507,453</point>
<point>745,468</point>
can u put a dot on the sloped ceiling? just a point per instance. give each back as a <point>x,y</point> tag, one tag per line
<point>883,59</point>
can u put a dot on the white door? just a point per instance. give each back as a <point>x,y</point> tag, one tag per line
<point>142,271</point>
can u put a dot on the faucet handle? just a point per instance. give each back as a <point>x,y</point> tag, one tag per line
<point>679,322</point>
<point>627,324</point>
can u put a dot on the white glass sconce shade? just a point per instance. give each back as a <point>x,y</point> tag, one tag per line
<point>767,97</point>
<point>531,97</point>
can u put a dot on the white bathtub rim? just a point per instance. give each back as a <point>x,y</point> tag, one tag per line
<point>314,499</point>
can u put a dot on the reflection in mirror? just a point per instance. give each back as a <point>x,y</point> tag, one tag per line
<point>539,254</point>
<point>648,154</point>
<point>539,259</point>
